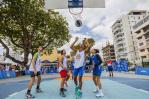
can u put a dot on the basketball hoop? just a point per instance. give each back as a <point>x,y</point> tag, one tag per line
<point>76,9</point>
<point>71,11</point>
<point>76,14</point>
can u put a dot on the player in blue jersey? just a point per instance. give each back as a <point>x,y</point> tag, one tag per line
<point>97,70</point>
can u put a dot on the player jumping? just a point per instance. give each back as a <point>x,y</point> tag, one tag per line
<point>79,61</point>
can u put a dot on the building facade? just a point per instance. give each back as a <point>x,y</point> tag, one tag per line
<point>142,31</point>
<point>108,53</point>
<point>124,39</point>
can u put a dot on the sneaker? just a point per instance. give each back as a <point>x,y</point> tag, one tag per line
<point>95,91</point>
<point>39,91</point>
<point>62,94</point>
<point>65,89</point>
<point>79,93</point>
<point>76,89</point>
<point>99,94</point>
<point>29,96</point>
<point>102,95</point>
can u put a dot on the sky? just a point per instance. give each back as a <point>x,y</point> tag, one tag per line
<point>97,22</point>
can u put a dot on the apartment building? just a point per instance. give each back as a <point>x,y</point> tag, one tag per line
<point>108,53</point>
<point>142,31</point>
<point>124,39</point>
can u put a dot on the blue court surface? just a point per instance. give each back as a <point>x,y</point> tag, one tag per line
<point>111,89</point>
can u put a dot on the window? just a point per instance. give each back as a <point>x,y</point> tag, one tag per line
<point>141,44</point>
<point>136,13</point>
<point>143,56</point>
<point>142,50</point>
<point>139,38</point>
<point>131,31</point>
<point>148,49</point>
<point>146,36</point>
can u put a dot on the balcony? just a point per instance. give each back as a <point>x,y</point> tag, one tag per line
<point>117,25</point>
<point>143,53</point>
<point>147,43</point>
<point>120,49</point>
<point>146,31</point>
<point>120,43</point>
<point>117,30</point>
<point>141,47</point>
<point>118,34</point>
<point>119,40</point>
<point>139,35</point>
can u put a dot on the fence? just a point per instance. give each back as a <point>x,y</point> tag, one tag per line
<point>7,74</point>
<point>142,71</point>
<point>120,65</point>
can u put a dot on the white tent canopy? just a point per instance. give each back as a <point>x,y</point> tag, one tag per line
<point>8,61</point>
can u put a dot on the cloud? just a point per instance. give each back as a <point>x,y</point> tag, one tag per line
<point>97,22</point>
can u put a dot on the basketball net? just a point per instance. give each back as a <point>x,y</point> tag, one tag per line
<point>76,14</point>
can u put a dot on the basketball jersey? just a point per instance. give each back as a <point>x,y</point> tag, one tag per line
<point>110,63</point>
<point>37,56</point>
<point>96,59</point>
<point>79,59</point>
<point>64,63</point>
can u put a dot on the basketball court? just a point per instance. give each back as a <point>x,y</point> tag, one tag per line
<point>111,89</point>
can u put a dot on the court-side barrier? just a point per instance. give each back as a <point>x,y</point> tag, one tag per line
<point>142,71</point>
<point>27,72</point>
<point>120,65</point>
<point>7,74</point>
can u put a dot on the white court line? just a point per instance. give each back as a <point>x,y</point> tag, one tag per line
<point>141,90</point>
<point>15,93</point>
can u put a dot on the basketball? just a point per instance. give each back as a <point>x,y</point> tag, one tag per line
<point>78,23</point>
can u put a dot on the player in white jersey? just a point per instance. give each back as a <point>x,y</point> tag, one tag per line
<point>79,62</point>
<point>35,71</point>
<point>63,66</point>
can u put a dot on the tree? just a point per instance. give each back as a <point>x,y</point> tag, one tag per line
<point>88,42</point>
<point>25,25</point>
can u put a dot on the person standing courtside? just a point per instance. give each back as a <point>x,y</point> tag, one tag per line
<point>34,69</point>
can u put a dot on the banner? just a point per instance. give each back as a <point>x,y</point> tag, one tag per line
<point>142,71</point>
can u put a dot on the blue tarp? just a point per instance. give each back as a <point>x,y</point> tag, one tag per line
<point>142,71</point>
<point>7,74</point>
<point>27,72</point>
<point>120,65</point>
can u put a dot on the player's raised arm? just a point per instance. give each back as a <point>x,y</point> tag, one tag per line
<point>72,45</point>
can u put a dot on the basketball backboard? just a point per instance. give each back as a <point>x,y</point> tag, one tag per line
<point>65,4</point>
